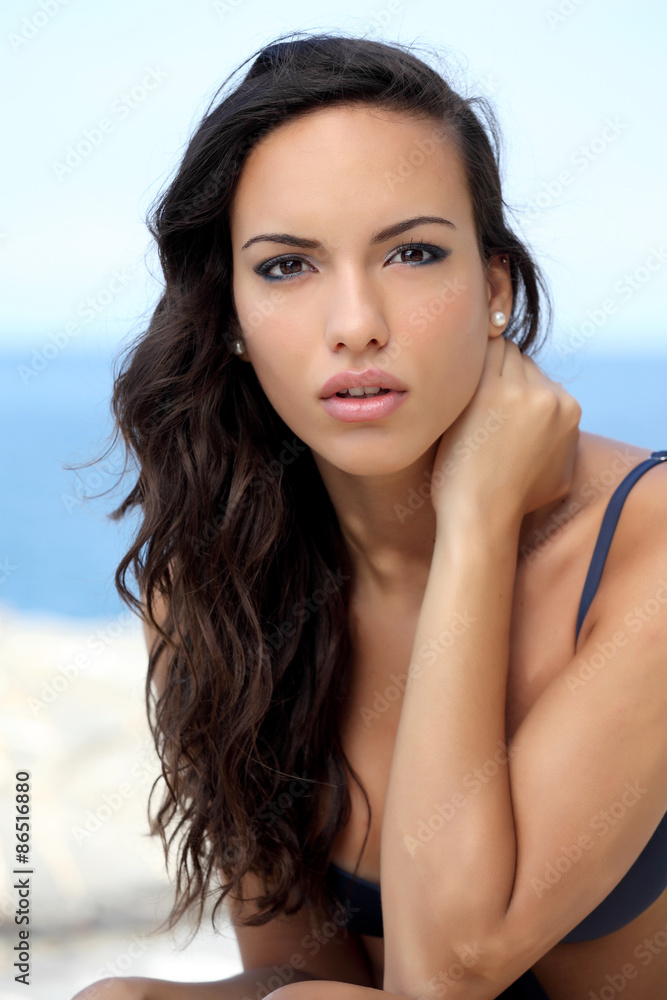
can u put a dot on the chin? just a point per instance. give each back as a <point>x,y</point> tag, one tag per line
<point>369,459</point>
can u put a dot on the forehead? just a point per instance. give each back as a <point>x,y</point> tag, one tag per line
<point>350,157</point>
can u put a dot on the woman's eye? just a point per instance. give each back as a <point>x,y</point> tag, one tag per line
<point>285,265</point>
<point>417,250</point>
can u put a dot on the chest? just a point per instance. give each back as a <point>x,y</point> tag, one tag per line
<point>544,610</point>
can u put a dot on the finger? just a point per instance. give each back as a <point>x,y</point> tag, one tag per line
<point>535,374</point>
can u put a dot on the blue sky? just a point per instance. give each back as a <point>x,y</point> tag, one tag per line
<point>578,88</point>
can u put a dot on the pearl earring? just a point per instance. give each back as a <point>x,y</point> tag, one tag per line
<point>498,318</point>
<point>237,347</point>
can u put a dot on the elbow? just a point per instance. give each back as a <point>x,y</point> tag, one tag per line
<point>466,974</point>
<point>479,968</point>
<point>495,959</point>
<point>471,959</point>
<point>471,973</point>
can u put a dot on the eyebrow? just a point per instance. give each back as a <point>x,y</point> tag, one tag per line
<point>379,237</point>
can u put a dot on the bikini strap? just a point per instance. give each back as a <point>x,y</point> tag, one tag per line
<point>606,534</point>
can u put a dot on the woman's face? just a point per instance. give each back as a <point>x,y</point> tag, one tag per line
<point>335,178</point>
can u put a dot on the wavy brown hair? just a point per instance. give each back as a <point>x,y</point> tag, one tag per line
<point>236,529</point>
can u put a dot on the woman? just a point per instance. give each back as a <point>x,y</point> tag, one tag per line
<point>369,642</point>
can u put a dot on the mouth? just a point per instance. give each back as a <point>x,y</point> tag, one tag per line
<point>369,382</point>
<point>361,393</point>
<point>351,406</point>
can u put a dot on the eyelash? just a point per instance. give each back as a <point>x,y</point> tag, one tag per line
<point>263,269</point>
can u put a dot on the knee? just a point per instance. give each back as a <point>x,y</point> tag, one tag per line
<point>289,992</point>
<point>114,988</point>
<point>319,989</point>
<point>297,991</point>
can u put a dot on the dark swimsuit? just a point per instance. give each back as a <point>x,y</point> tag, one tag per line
<point>638,888</point>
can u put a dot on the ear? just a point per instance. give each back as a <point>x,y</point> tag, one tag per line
<point>499,290</point>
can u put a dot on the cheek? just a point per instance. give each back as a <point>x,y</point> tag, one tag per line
<point>448,336</point>
<point>276,372</point>
<point>269,322</point>
<point>278,368</point>
<point>257,311</point>
<point>447,328</point>
<point>441,315</point>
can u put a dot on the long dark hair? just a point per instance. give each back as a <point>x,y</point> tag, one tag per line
<point>237,530</point>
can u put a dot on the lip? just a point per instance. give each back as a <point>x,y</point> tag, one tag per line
<point>358,408</point>
<point>351,380</point>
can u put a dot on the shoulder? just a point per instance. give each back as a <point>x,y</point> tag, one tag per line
<point>602,465</point>
<point>641,526</point>
<point>633,585</point>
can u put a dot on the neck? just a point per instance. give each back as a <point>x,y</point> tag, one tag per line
<point>389,524</point>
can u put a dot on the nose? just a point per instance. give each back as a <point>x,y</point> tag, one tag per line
<point>355,316</point>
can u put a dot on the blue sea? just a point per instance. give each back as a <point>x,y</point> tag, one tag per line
<point>58,552</point>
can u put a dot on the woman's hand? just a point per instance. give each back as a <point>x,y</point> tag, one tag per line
<point>514,445</point>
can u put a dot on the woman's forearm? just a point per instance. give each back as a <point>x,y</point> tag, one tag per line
<point>253,984</point>
<point>448,848</point>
